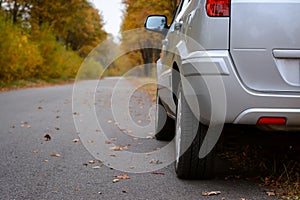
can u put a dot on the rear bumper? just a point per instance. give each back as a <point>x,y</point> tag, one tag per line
<point>205,71</point>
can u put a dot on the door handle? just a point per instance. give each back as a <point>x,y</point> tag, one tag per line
<point>292,53</point>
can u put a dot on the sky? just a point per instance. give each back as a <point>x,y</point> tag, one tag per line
<point>111,11</point>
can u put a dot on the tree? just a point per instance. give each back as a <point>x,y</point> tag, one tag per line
<point>76,23</point>
<point>134,18</point>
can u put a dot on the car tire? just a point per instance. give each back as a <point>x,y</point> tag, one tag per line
<point>188,139</point>
<point>164,125</point>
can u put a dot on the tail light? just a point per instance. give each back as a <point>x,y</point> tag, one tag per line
<point>218,8</point>
<point>272,121</point>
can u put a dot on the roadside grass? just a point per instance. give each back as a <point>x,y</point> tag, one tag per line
<point>22,84</point>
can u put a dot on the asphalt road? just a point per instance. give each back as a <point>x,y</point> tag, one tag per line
<point>28,171</point>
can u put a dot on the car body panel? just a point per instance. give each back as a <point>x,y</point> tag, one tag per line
<point>265,44</point>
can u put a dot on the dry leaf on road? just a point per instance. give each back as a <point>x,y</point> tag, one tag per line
<point>123,176</point>
<point>116,180</point>
<point>271,193</point>
<point>211,193</point>
<point>155,161</point>
<point>55,155</point>
<point>158,173</point>
<point>91,161</point>
<point>47,137</point>
<point>75,140</point>
<point>117,148</point>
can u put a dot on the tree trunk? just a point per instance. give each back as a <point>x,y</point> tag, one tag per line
<point>15,12</point>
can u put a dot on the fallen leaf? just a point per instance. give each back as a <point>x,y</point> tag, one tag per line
<point>28,126</point>
<point>36,151</point>
<point>113,139</point>
<point>117,148</point>
<point>123,176</point>
<point>39,107</point>
<point>76,140</point>
<point>115,180</point>
<point>271,193</point>
<point>135,139</point>
<point>159,173</point>
<point>47,137</point>
<point>116,123</point>
<point>107,142</point>
<point>211,193</point>
<point>57,117</point>
<point>85,164</point>
<point>139,121</point>
<point>98,131</point>
<point>55,155</point>
<point>113,155</point>
<point>130,132</point>
<point>91,161</point>
<point>155,161</point>
<point>56,128</point>
<point>124,191</point>
<point>75,113</point>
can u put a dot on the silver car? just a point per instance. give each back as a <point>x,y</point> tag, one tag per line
<point>225,62</point>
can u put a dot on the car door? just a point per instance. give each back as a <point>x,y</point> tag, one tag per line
<point>165,72</point>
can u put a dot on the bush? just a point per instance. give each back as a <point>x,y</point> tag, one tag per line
<point>27,54</point>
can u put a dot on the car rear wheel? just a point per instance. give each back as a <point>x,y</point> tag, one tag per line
<point>188,139</point>
<point>164,125</point>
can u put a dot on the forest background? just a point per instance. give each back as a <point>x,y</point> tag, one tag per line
<point>43,41</point>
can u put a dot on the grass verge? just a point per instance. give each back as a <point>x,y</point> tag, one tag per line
<point>22,84</point>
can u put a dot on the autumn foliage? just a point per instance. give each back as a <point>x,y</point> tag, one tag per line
<point>135,15</point>
<point>45,40</point>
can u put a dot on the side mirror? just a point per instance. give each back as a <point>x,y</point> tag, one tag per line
<point>156,23</point>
